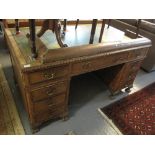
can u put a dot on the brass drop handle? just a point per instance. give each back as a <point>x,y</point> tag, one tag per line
<point>49,75</point>
<point>50,92</point>
<point>50,105</point>
<point>87,65</point>
<point>50,102</point>
<point>120,59</point>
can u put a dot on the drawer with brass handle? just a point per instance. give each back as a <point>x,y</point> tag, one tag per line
<point>48,91</point>
<point>50,103</point>
<point>87,65</point>
<point>98,63</point>
<point>120,59</point>
<point>48,74</point>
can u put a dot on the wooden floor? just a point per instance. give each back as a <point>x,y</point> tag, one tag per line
<point>10,123</point>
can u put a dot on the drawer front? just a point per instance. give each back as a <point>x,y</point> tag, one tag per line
<point>137,54</point>
<point>48,91</point>
<point>48,74</point>
<point>51,114</point>
<point>98,63</point>
<point>53,103</point>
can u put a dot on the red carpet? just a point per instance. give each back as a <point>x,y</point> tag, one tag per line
<point>134,114</point>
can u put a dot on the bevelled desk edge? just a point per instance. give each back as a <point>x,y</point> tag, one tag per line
<point>68,55</point>
<point>94,49</point>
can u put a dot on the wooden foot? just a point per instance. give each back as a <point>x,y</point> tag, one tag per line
<point>112,97</point>
<point>35,130</point>
<point>128,90</point>
<point>114,94</point>
<point>65,118</point>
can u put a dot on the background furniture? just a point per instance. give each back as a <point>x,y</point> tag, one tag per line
<point>93,30</point>
<point>55,26</point>
<point>146,29</point>
<point>24,22</point>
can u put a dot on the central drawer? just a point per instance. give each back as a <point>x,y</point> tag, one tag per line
<point>99,63</point>
<point>48,74</point>
<point>48,91</point>
<point>137,54</point>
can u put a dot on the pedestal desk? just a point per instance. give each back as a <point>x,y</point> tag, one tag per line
<point>45,81</point>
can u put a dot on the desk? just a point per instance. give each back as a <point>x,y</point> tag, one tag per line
<point>44,82</point>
